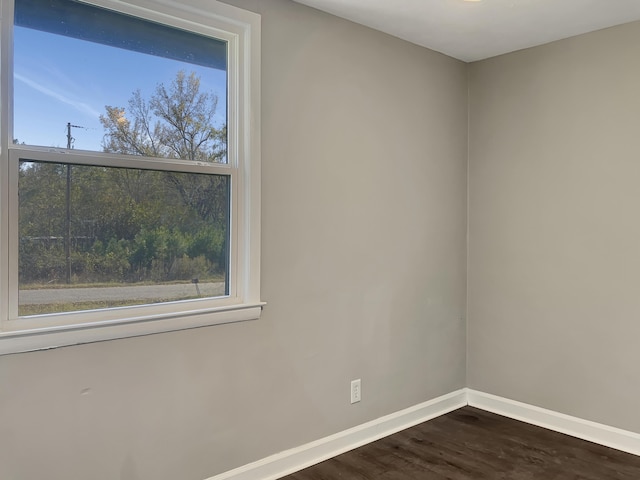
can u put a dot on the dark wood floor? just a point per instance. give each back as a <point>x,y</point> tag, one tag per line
<point>471,444</point>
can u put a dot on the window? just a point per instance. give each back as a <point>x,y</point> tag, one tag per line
<point>130,171</point>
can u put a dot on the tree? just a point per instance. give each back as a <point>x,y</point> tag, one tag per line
<point>129,224</point>
<point>175,122</point>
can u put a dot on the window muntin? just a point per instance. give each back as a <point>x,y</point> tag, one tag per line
<point>240,32</point>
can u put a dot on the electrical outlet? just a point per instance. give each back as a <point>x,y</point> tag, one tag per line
<point>356,391</point>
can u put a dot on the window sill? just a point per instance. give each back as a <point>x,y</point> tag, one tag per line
<point>18,341</point>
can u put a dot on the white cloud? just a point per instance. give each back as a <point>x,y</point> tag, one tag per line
<point>78,105</point>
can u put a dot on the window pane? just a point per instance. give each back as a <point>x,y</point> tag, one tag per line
<point>98,237</point>
<point>92,79</point>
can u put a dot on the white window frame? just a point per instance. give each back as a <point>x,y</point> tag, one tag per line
<point>241,29</point>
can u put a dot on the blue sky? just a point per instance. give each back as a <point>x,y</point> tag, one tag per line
<point>58,79</point>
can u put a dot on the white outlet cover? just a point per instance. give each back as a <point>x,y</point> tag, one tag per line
<point>356,391</point>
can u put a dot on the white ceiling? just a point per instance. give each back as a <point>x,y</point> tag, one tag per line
<point>474,30</point>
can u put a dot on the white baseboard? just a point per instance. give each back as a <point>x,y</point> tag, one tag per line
<point>290,461</point>
<point>576,427</point>
<point>298,458</point>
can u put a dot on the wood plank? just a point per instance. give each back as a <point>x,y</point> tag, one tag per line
<point>471,444</point>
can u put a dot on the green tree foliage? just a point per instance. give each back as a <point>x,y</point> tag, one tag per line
<point>131,225</point>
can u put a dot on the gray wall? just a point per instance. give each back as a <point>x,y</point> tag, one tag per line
<point>364,271</point>
<point>554,231</point>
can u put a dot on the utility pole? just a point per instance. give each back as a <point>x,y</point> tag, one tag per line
<point>67,239</point>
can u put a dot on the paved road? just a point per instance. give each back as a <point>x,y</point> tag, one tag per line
<point>142,293</point>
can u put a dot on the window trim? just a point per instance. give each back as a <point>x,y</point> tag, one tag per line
<point>242,30</point>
